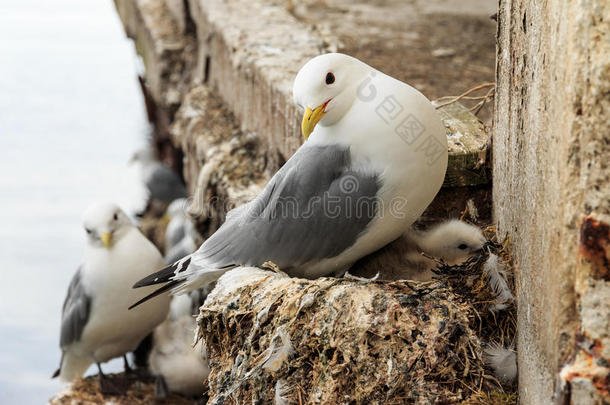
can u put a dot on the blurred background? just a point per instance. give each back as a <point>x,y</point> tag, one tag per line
<point>71,115</point>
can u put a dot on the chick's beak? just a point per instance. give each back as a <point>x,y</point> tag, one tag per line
<point>311,119</point>
<point>107,239</point>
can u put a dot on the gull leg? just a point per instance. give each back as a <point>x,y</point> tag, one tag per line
<point>100,373</point>
<point>108,385</point>
<point>126,368</point>
<point>161,390</point>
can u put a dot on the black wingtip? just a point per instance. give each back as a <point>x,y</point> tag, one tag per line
<point>55,374</point>
<point>162,276</point>
<point>165,274</point>
<point>158,291</point>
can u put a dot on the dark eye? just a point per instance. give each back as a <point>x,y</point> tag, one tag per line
<point>330,78</point>
<point>463,246</point>
<point>115,216</point>
<point>88,231</point>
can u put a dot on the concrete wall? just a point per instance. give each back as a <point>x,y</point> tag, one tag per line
<point>551,155</point>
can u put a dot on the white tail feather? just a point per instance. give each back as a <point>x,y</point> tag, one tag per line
<point>282,390</point>
<point>496,276</point>
<point>502,361</point>
<point>279,351</point>
<point>73,367</point>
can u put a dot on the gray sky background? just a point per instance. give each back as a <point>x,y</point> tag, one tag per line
<point>71,114</point>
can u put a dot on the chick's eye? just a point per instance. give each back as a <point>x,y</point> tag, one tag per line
<point>463,246</point>
<point>115,216</point>
<point>330,78</point>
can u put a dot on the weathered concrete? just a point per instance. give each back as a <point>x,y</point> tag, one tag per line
<point>160,42</point>
<point>551,154</point>
<point>249,52</point>
<point>223,167</point>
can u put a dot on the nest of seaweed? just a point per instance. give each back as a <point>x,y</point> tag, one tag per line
<point>275,339</point>
<point>86,391</point>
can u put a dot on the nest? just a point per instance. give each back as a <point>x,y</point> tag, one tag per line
<point>275,339</point>
<point>86,392</point>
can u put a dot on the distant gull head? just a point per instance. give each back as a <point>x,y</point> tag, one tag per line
<point>105,224</point>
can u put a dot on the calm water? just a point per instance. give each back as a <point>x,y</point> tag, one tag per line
<point>70,116</point>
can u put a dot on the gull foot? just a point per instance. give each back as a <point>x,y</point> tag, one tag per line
<point>161,391</point>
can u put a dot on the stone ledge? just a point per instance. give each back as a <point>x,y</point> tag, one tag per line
<point>224,167</point>
<point>248,52</point>
<point>161,44</point>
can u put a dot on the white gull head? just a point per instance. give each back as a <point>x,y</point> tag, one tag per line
<point>326,88</point>
<point>105,224</point>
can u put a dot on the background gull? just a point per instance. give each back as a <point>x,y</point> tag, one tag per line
<point>375,157</point>
<point>162,183</point>
<point>179,363</point>
<point>181,235</point>
<point>95,324</point>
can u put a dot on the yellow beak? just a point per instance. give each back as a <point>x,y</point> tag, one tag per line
<point>107,239</point>
<point>164,219</point>
<point>311,119</point>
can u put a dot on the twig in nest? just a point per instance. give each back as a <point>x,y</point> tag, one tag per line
<point>299,393</point>
<point>466,93</point>
<point>464,213</point>
<point>274,267</point>
<point>481,103</point>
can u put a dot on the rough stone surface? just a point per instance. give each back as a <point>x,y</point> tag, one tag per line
<point>251,62</point>
<point>440,47</point>
<point>249,52</point>
<point>223,167</point>
<point>468,146</point>
<point>551,154</point>
<point>161,44</point>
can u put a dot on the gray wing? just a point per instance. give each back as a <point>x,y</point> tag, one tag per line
<point>75,312</point>
<point>164,184</point>
<point>176,253</point>
<point>314,207</point>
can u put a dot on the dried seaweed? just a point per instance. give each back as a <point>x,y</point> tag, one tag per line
<point>86,391</point>
<point>355,340</point>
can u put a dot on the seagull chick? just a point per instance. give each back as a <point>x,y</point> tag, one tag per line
<point>374,158</point>
<point>451,241</point>
<point>95,323</point>
<point>181,235</point>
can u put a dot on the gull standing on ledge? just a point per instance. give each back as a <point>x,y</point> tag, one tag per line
<point>95,323</point>
<point>374,158</point>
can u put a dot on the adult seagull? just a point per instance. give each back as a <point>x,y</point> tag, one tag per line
<point>95,323</point>
<point>374,158</point>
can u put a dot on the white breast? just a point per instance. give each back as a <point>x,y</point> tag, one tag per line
<point>398,134</point>
<point>112,329</point>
